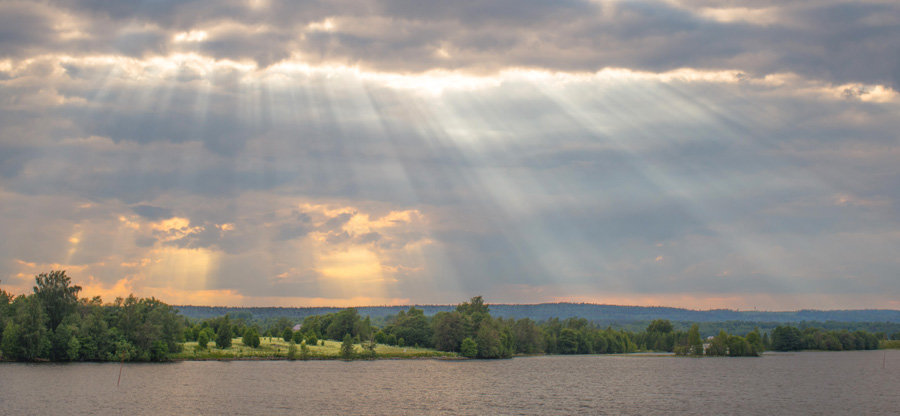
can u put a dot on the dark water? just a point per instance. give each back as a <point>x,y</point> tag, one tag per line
<point>802,383</point>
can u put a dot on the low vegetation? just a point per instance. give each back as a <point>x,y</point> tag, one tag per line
<point>277,348</point>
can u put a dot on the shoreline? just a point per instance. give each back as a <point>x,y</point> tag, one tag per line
<point>641,354</point>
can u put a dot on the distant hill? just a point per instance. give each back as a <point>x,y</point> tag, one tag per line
<point>603,314</point>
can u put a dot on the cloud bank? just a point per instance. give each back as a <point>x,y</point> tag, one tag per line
<point>688,153</point>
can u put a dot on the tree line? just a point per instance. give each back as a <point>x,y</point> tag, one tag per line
<point>53,324</point>
<point>615,315</point>
<point>471,331</point>
<point>788,338</point>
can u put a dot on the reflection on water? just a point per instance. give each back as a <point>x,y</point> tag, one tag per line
<point>801,383</point>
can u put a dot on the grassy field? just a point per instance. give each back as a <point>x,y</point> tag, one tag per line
<point>277,348</point>
<point>890,344</point>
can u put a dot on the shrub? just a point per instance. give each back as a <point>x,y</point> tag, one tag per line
<point>202,339</point>
<point>304,351</point>
<point>223,337</point>
<point>251,338</point>
<point>468,348</point>
<point>292,351</point>
<point>347,350</point>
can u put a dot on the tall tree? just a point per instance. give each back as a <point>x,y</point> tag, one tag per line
<point>26,336</point>
<point>343,322</point>
<point>695,344</point>
<point>490,343</point>
<point>473,306</point>
<point>223,335</point>
<point>449,330</point>
<point>568,341</point>
<point>57,295</point>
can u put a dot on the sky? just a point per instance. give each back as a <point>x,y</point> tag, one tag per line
<point>690,153</point>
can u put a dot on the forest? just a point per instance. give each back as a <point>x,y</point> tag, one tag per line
<point>54,324</point>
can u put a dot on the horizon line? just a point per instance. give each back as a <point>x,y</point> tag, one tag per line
<point>537,304</point>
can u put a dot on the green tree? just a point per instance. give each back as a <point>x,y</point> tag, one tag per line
<point>97,341</point>
<point>527,337</point>
<point>292,351</point>
<point>567,343</point>
<point>601,343</point>
<point>695,343</point>
<point>250,338</point>
<point>755,341</point>
<point>297,337</point>
<point>203,339</point>
<point>449,330</point>
<point>475,305</point>
<point>468,348</point>
<point>5,299</point>
<point>10,346</point>
<point>475,311</point>
<point>719,345</point>
<point>413,327</point>
<point>224,334</point>
<point>661,326</point>
<point>347,350</point>
<point>343,322</point>
<point>29,339</point>
<point>490,340</point>
<point>57,295</point>
<point>151,328</point>
<point>287,335</point>
<point>739,347</point>
<point>786,338</point>
<point>64,344</point>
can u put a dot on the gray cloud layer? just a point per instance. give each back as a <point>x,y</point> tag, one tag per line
<point>834,41</point>
<point>521,188</point>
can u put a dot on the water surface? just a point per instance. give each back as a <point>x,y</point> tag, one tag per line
<point>801,383</point>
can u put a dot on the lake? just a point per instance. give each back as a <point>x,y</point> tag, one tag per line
<point>799,383</point>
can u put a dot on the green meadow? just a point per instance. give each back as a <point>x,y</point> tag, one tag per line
<point>277,349</point>
<point>891,344</point>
